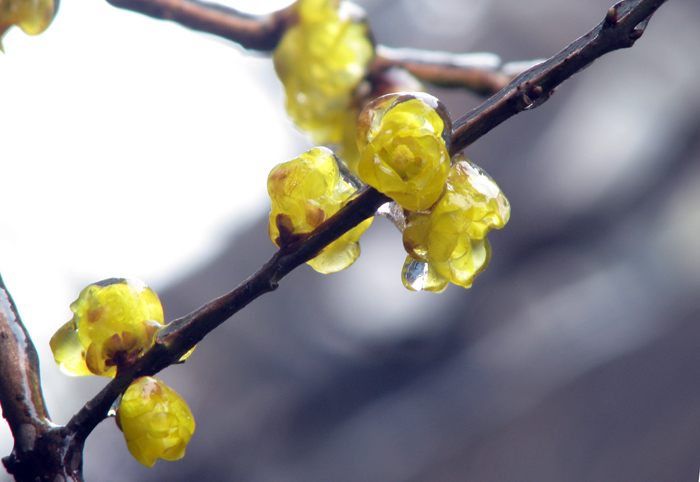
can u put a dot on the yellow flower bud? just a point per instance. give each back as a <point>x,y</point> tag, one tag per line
<point>114,322</point>
<point>305,192</point>
<point>155,420</point>
<point>33,17</point>
<point>451,238</point>
<point>403,141</point>
<point>321,61</point>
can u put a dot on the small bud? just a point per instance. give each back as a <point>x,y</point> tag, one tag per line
<point>114,322</point>
<point>536,92</point>
<point>611,17</point>
<point>448,243</point>
<point>403,141</point>
<point>304,192</point>
<point>321,61</point>
<point>155,420</point>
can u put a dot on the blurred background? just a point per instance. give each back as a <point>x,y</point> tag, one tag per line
<point>132,147</point>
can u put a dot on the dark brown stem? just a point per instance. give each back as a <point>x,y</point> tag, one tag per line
<point>480,73</point>
<point>41,451</point>
<point>20,384</point>
<point>182,334</point>
<point>254,32</point>
<point>623,25</point>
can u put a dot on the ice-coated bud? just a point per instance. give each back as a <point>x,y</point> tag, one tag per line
<point>321,61</point>
<point>403,141</point>
<point>448,243</point>
<point>155,420</point>
<point>304,192</point>
<point>114,322</point>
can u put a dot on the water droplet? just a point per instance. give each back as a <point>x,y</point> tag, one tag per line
<point>394,213</point>
<point>113,409</point>
<point>416,274</point>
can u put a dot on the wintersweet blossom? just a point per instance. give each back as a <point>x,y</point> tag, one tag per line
<point>403,141</point>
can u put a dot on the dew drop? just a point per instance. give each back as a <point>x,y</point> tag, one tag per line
<point>113,409</point>
<point>394,213</point>
<point>416,275</point>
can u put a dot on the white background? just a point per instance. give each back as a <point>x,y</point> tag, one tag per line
<point>129,147</point>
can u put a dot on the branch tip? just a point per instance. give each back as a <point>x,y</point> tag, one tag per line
<point>519,96</point>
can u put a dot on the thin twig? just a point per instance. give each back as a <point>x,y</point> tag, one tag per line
<point>254,32</point>
<point>481,73</point>
<point>623,25</point>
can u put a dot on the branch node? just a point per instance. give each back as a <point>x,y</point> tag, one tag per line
<point>526,95</point>
<point>611,17</point>
<point>638,31</point>
<point>535,92</point>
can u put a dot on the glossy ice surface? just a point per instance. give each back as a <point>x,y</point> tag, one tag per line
<point>448,244</point>
<point>404,154</point>
<point>305,192</point>
<point>156,421</point>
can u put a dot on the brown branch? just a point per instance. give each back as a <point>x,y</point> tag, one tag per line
<point>623,25</point>
<point>20,384</point>
<point>483,74</point>
<point>254,32</point>
<point>40,450</point>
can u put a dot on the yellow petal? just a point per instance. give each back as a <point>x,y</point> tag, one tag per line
<point>68,352</point>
